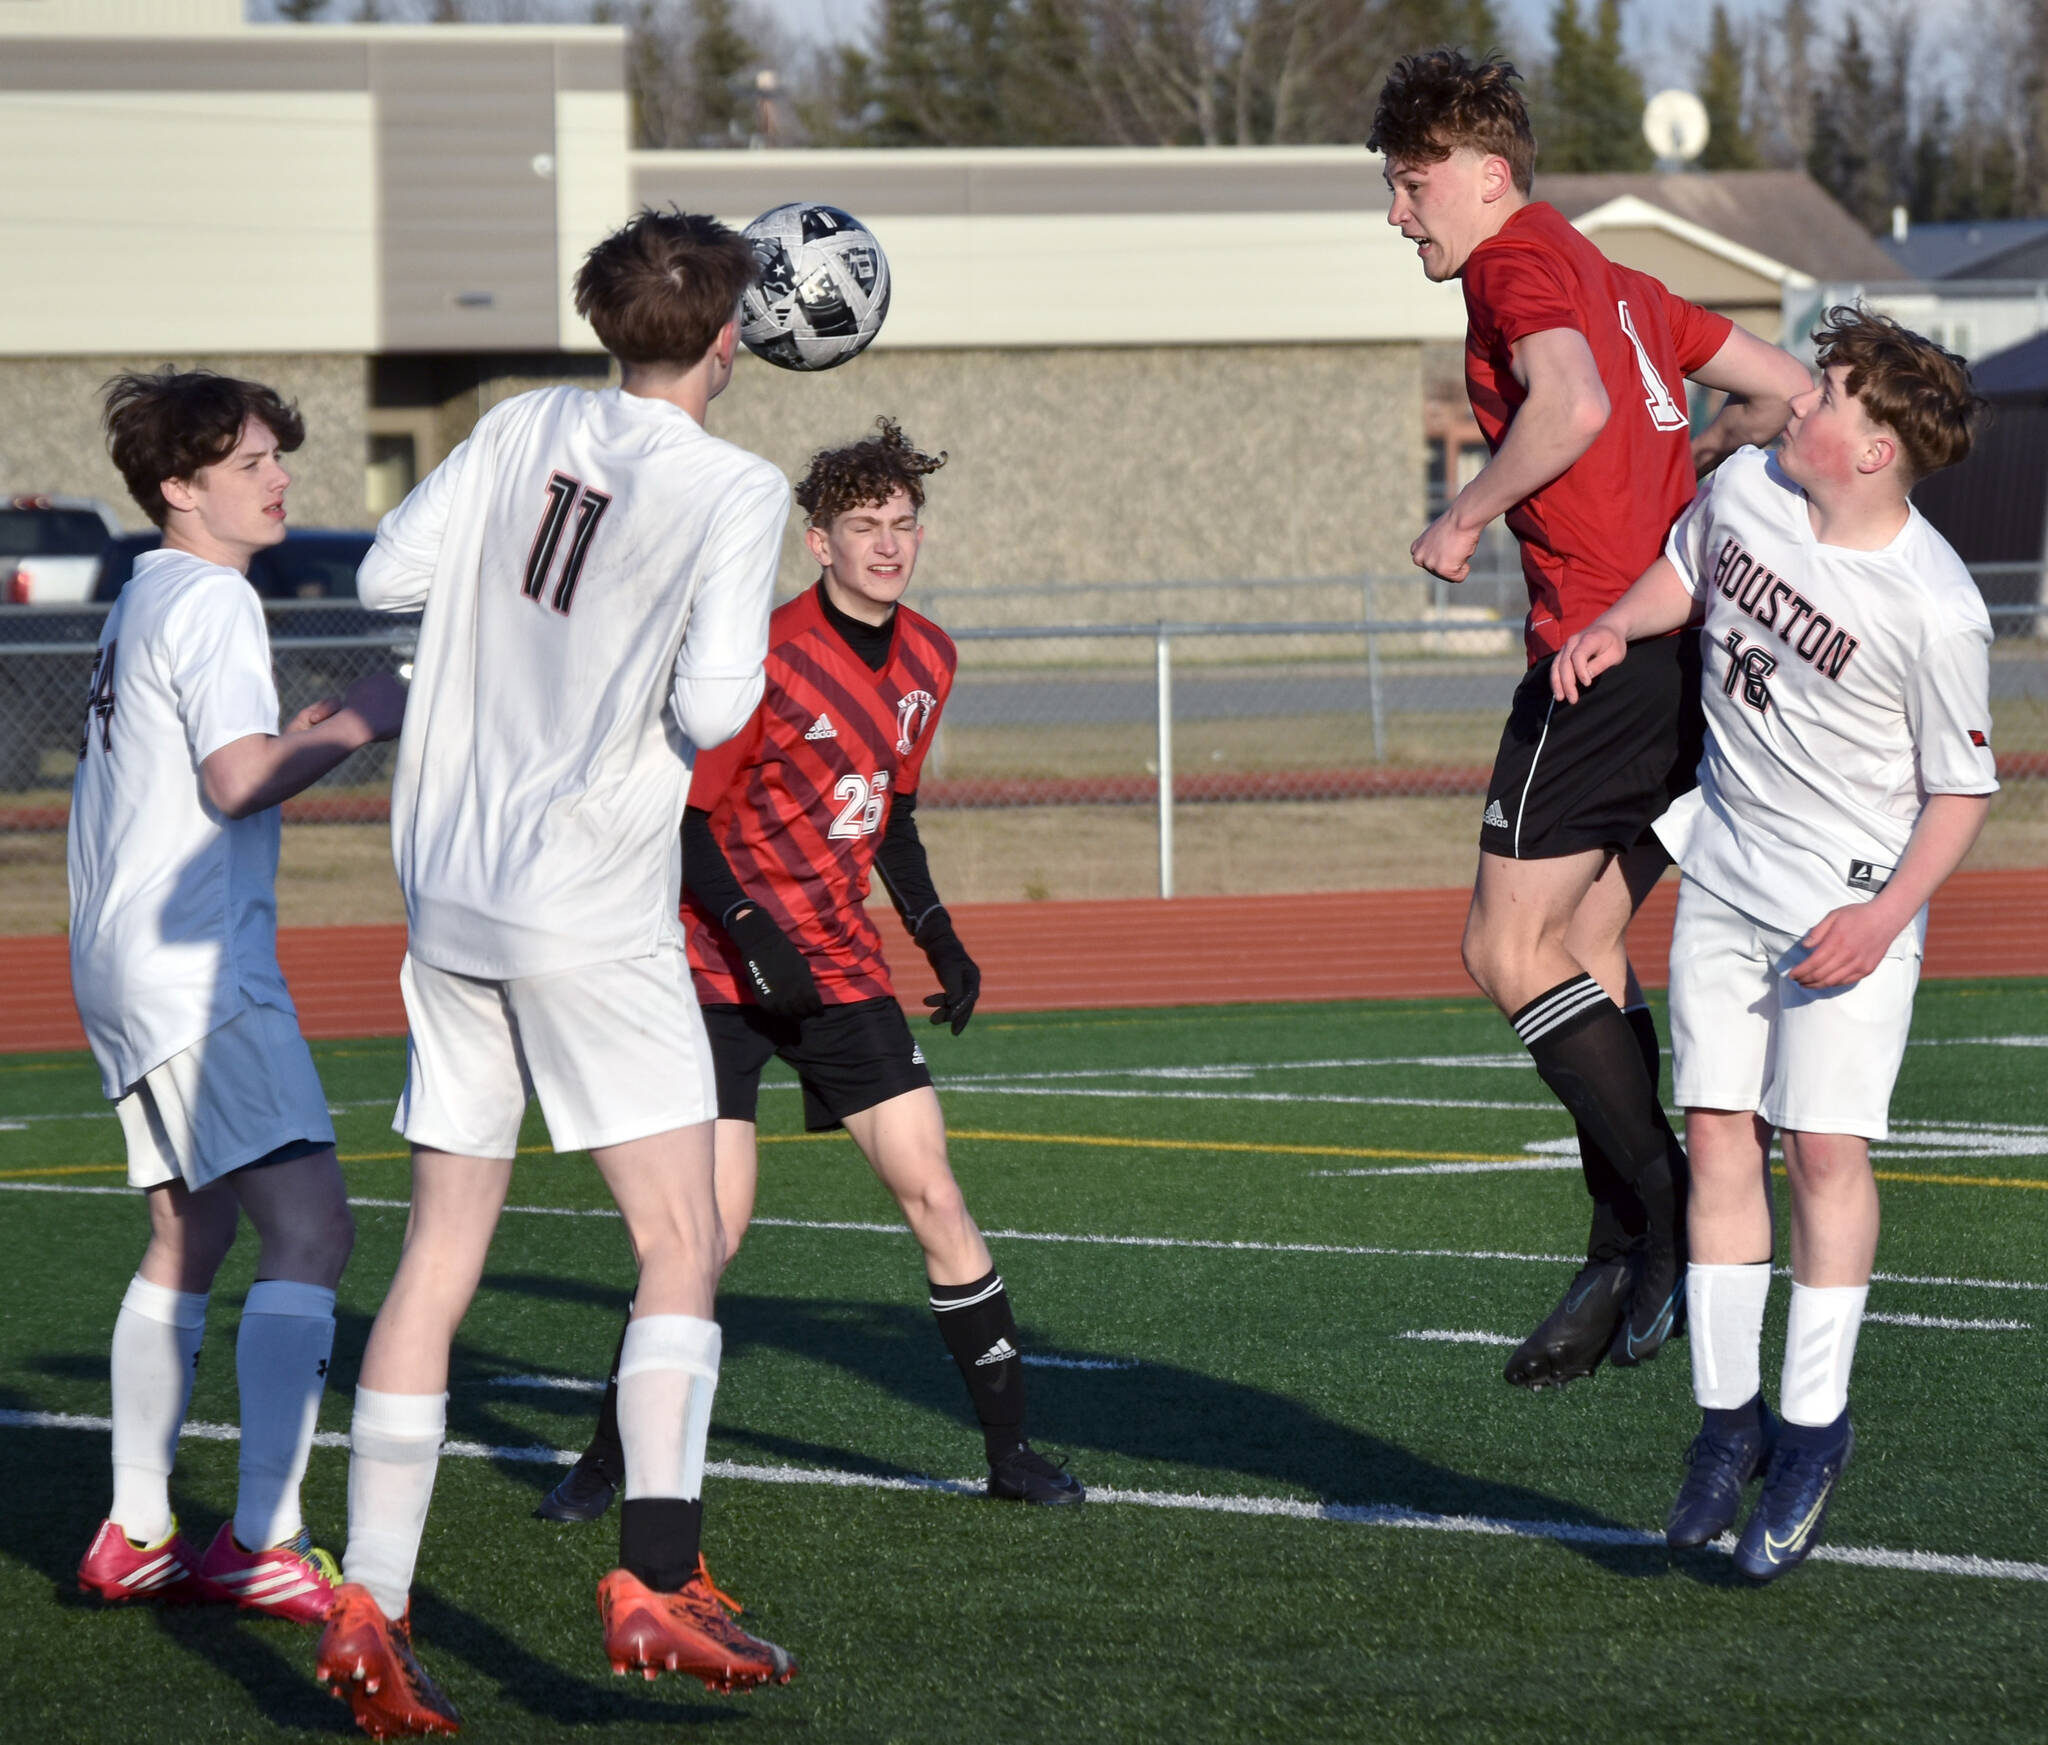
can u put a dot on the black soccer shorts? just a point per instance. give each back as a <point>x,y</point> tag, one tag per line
<point>1596,773</point>
<point>848,1058</point>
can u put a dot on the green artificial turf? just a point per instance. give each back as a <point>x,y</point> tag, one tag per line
<point>1239,1352</point>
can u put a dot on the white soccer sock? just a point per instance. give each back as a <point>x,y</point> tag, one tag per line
<point>156,1345</point>
<point>668,1373</point>
<point>281,1354</point>
<point>395,1446</point>
<point>1724,1308</point>
<point>1820,1345</point>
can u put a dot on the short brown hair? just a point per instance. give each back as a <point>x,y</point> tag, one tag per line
<point>659,289</point>
<point>1435,103</point>
<point>1916,389</point>
<point>869,471</point>
<point>169,423</point>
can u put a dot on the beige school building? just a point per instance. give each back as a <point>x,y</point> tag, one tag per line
<point>1146,364</point>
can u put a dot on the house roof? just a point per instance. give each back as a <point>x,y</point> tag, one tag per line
<point>1956,251</point>
<point>1783,215</point>
<point>2020,372</point>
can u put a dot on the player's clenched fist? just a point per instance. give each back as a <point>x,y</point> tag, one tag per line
<point>378,701</point>
<point>1585,656</point>
<point>1845,945</point>
<point>1445,548</point>
<point>783,984</point>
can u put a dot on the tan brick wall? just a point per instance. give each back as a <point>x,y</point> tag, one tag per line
<point>1112,465</point>
<point>50,437</point>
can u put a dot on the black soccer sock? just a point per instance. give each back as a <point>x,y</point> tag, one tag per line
<point>1618,1216</point>
<point>660,1538</point>
<point>1644,1023</point>
<point>976,1324</point>
<point>1588,1054</point>
<point>606,1450</point>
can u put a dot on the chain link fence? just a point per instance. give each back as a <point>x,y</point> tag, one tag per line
<point>1119,738</point>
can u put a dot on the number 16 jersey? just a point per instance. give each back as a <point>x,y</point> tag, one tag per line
<point>799,800</point>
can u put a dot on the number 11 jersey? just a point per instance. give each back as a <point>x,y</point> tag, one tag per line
<point>597,572</point>
<point>800,799</point>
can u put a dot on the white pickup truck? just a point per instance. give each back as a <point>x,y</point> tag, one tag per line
<point>50,548</point>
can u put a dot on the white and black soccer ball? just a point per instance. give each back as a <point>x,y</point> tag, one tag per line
<point>823,289</point>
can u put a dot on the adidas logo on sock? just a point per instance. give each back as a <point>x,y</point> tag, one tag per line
<point>1494,815</point>
<point>1000,1352</point>
<point>822,728</point>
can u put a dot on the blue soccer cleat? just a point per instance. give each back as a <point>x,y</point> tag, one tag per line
<point>1717,1469</point>
<point>1799,1483</point>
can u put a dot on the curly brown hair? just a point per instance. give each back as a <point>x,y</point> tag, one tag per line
<point>868,471</point>
<point>1917,390</point>
<point>1438,102</point>
<point>170,423</point>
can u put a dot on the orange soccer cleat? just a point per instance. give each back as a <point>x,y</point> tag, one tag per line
<point>120,1571</point>
<point>690,1630</point>
<point>295,1580</point>
<point>367,1660</point>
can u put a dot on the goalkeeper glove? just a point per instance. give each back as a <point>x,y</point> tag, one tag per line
<point>781,979</point>
<point>958,974</point>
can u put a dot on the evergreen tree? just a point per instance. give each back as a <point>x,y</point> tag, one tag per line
<point>300,11</point>
<point>720,65</point>
<point>1783,66</point>
<point>904,78</point>
<point>1592,100</point>
<point>1847,134</point>
<point>1729,146</point>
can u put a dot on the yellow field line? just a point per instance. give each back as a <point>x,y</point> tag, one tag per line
<point>67,1169</point>
<point>1122,1144</point>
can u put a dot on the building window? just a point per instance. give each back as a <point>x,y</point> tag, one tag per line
<point>393,470</point>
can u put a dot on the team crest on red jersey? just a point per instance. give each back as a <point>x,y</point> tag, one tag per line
<point>916,708</point>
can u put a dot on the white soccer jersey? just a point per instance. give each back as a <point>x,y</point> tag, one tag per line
<point>1841,689</point>
<point>173,904</point>
<point>597,572</point>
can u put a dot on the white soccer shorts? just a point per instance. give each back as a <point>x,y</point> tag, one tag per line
<point>615,1051</point>
<point>1744,1035</point>
<point>236,1095</point>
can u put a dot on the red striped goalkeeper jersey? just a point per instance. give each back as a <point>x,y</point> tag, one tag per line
<point>800,798</point>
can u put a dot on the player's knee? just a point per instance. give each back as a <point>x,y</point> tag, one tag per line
<point>1825,1163</point>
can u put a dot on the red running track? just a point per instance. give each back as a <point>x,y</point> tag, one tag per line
<point>1035,957</point>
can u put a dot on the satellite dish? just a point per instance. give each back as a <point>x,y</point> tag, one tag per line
<point>1675,124</point>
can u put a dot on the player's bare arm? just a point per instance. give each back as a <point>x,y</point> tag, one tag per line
<point>1658,604</point>
<point>1846,944</point>
<point>1565,412</point>
<point>1761,382</point>
<point>263,769</point>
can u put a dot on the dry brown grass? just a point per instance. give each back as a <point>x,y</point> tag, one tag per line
<point>340,874</point>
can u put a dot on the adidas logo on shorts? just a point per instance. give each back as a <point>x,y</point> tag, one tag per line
<point>916,1054</point>
<point>822,728</point>
<point>1495,816</point>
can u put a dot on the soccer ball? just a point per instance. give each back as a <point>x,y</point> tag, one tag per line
<point>823,290</point>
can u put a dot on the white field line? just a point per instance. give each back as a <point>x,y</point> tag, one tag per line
<point>1360,1250</point>
<point>1450,1336</point>
<point>1474,1168</point>
<point>106,1113</point>
<point>568,1384</point>
<point>1455,1336</point>
<point>1286,1508</point>
<point>1038,1360</point>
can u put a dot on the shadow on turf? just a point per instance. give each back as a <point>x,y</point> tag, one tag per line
<point>66,1473</point>
<point>1160,1413</point>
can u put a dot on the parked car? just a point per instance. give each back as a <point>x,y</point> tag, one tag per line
<point>50,548</point>
<point>313,563</point>
<point>42,695</point>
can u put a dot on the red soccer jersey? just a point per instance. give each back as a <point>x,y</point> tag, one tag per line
<point>1589,533</point>
<point>799,800</point>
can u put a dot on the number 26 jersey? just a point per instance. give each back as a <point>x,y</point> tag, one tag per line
<point>800,798</point>
<point>1841,688</point>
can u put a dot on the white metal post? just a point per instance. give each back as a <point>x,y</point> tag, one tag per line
<point>1372,678</point>
<point>1165,764</point>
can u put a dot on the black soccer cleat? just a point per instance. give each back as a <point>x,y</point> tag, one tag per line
<point>1799,1483</point>
<point>1717,1469</point>
<point>1575,1335</point>
<point>584,1494</point>
<point>1025,1476</point>
<point>1656,1304</point>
